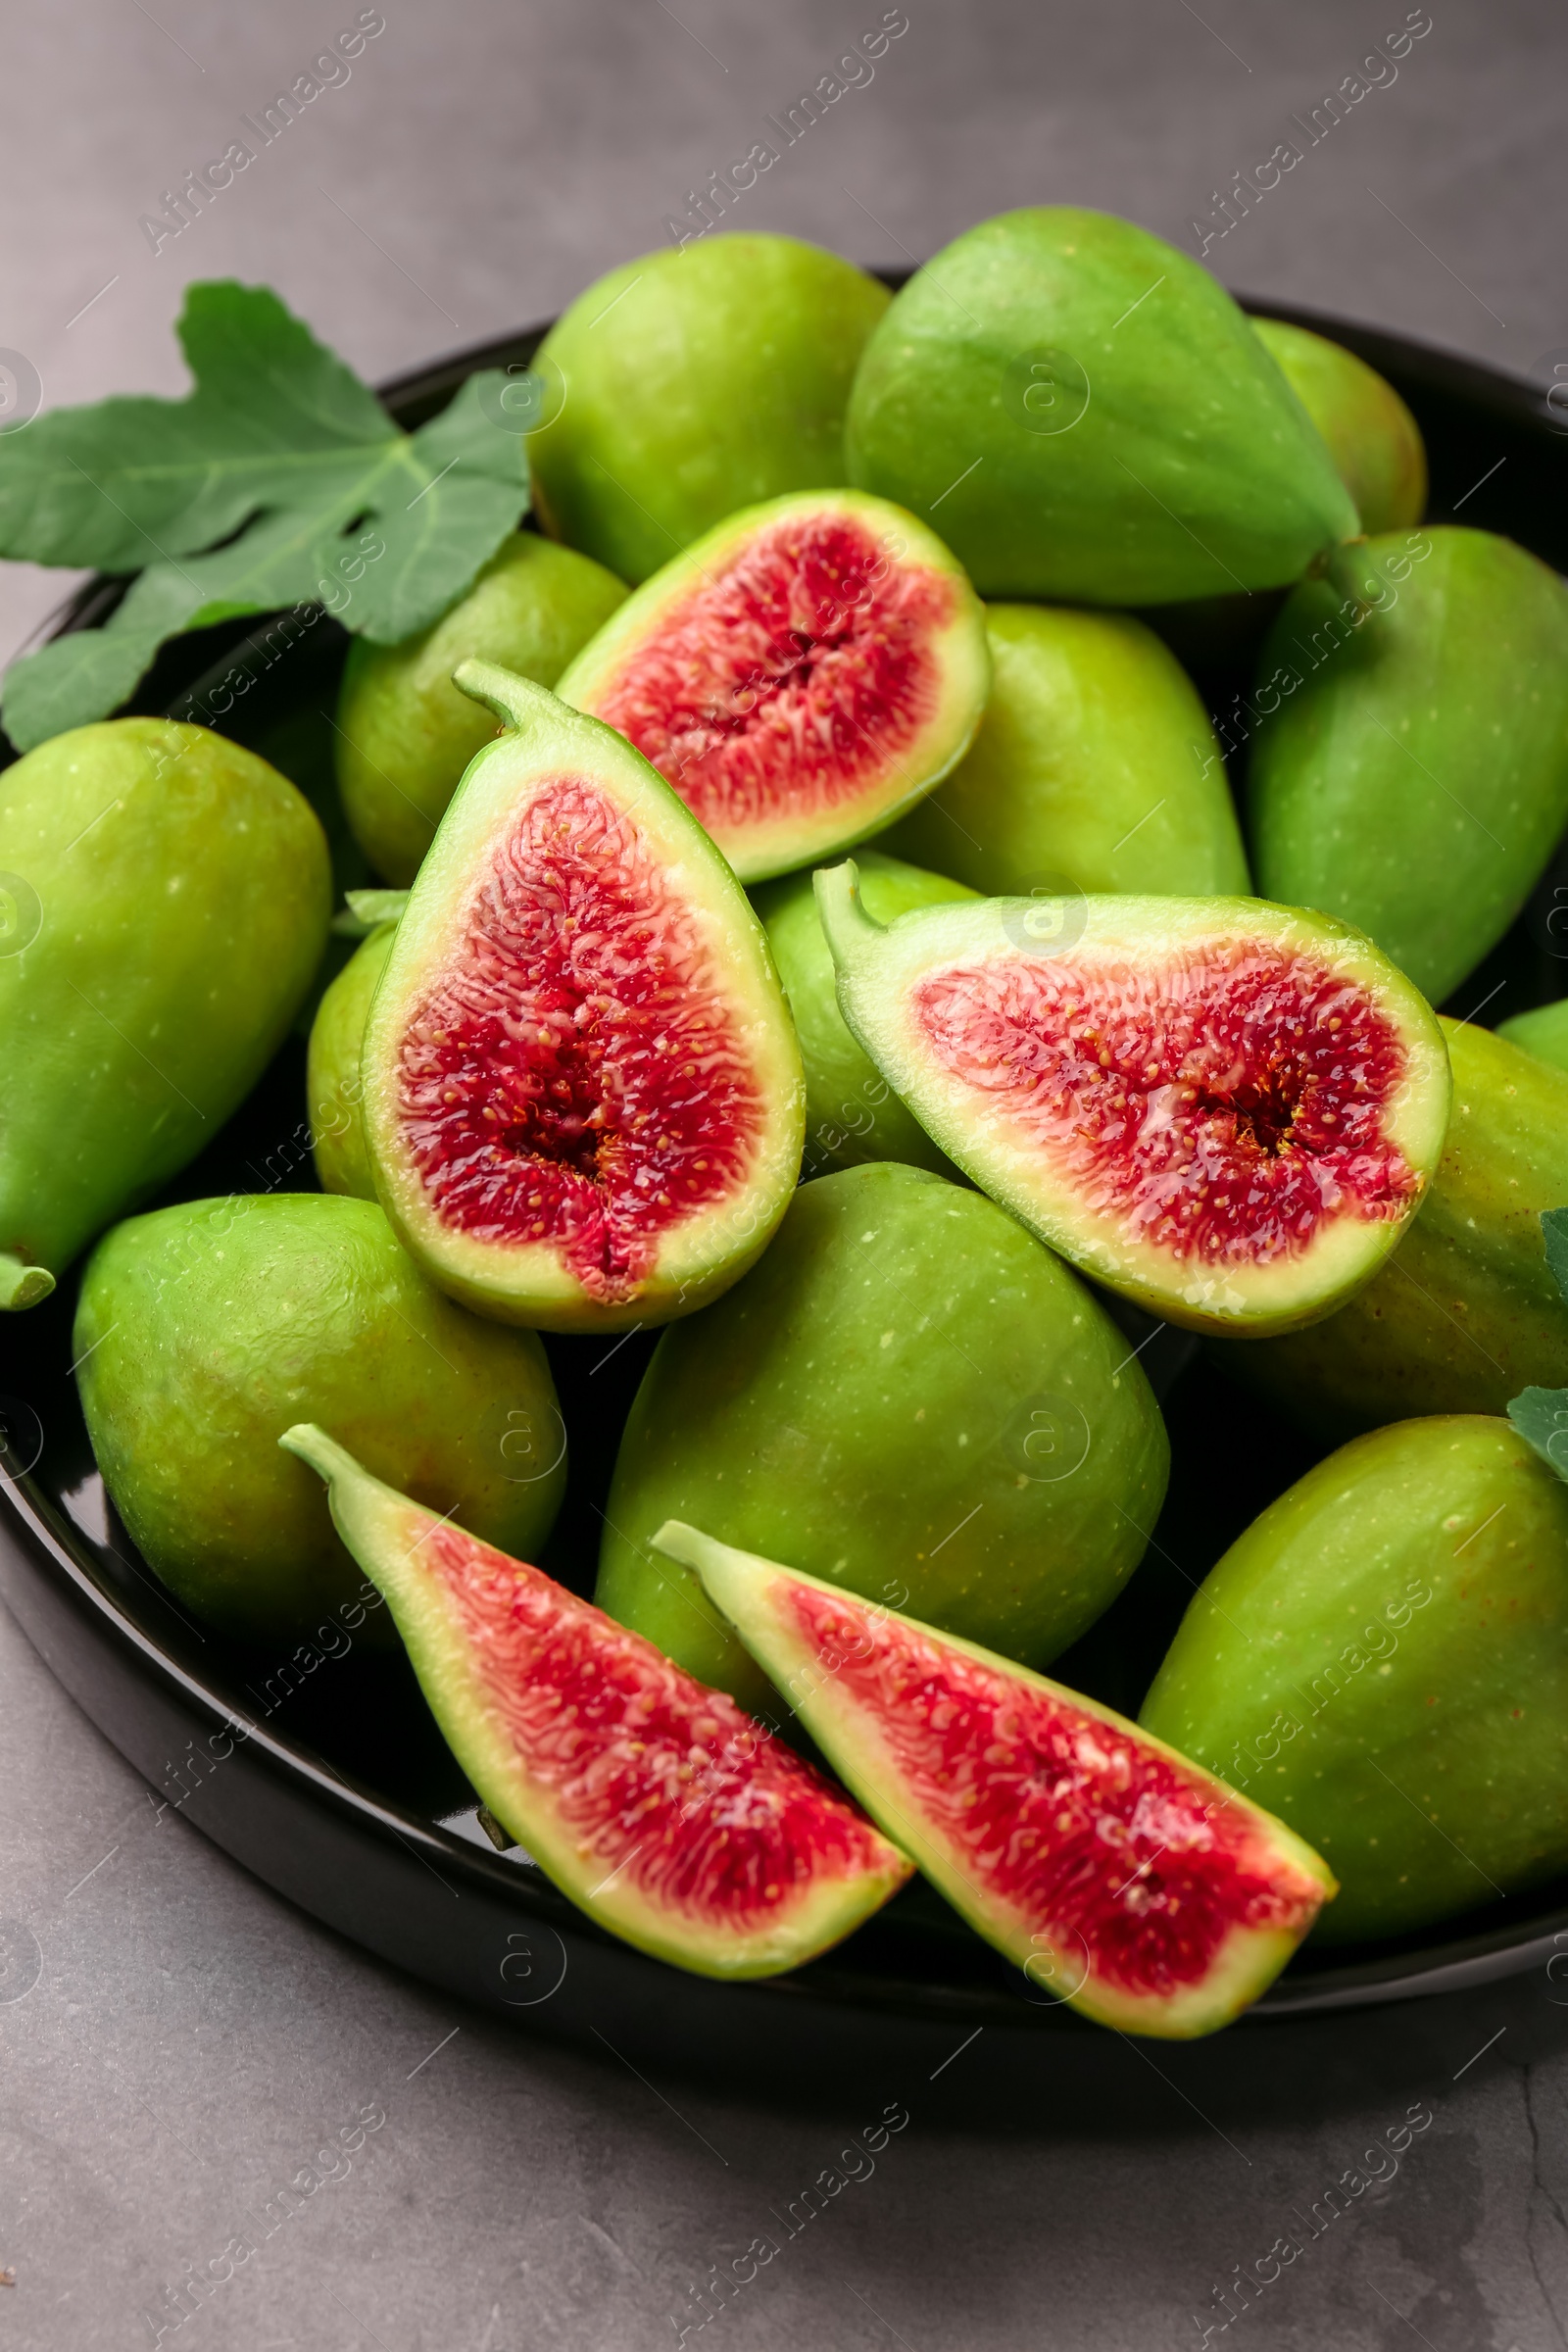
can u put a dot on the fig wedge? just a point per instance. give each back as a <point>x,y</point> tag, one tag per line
<point>1109,1869</point>
<point>656,1804</point>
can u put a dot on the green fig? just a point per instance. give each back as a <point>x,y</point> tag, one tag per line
<point>332,1083</point>
<point>1411,774</point>
<point>851,1113</point>
<point>1381,1659</point>
<point>1371,435</point>
<point>1467,1311</point>
<point>688,383</point>
<point>1088,419</point>
<point>1095,768</point>
<point>583,1097</point>
<point>906,1387</point>
<point>1226,1111</point>
<point>205,1331</point>
<point>405,734</point>
<point>164,904</point>
<point>1542,1032</point>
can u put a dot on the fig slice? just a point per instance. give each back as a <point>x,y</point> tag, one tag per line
<point>656,1804</point>
<point>802,675</point>
<point>1225,1110</point>
<point>583,1098</point>
<point>1115,1873</point>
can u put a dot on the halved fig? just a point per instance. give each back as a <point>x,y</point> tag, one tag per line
<point>1227,1110</point>
<point>1117,1874</point>
<point>802,675</point>
<point>583,1098</point>
<point>655,1804</point>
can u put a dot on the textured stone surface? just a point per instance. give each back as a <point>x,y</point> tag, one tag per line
<point>189,2042</point>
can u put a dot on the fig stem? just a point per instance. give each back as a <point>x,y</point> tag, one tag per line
<point>22,1285</point>
<point>324,1454</point>
<point>846,921</point>
<point>514,700</point>
<point>687,1544</point>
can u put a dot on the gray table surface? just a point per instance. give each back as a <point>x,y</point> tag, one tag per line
<point>191,2042</point>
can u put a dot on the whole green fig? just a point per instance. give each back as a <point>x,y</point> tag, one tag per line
<point>910,1396</point>
<point>332,1070</point>
<point>205,1330</point>
<point>164,904</point>
<point>1095,768</point>
<point>1411,772</point>
<point>1542,1032</point>
<point>1381,1659</point>
<point>1088,419</point>
<point>688,383</point>
<point>851,1113</point>
<point>1371,435</point>
<point>1466,1312</point>
<point>405,734</point>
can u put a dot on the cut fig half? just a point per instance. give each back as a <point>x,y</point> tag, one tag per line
<point>802,675</point>
<point>1225,1110</point>
<point>661,1809</point>
<point>583,1097</point>
<point>1117,1874</point>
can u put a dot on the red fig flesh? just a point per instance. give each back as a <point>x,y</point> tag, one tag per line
<point>1226,1109</point>
<point>801,676</point>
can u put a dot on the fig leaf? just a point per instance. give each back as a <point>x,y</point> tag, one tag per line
<point>1540,1416</point>
<point>278,479</point>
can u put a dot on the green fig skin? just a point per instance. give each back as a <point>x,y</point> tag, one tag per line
<point>905,1389</point>
<point>1371,435</point>
<point>690,383</point>
<point>205,1330</point>
<point>1095,768</point>
<point>1088,419</point>
<point>1543,1034</point>
<point>1413,780</point>
<point>1467,1311</point>
<point>1381,1659</point>
<point>332,1083</point>
<point>404,732</point>
<point>851,1113</point>
<point>172,895</point>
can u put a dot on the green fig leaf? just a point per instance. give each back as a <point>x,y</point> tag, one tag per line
<point>278,479</point>
<point>75,678</point>
<point>1540,1416</point>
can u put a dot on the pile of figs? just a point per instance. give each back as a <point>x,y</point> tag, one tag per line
<point>818,917</point>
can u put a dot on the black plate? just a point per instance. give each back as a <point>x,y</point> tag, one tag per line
<point>326,1776</point>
